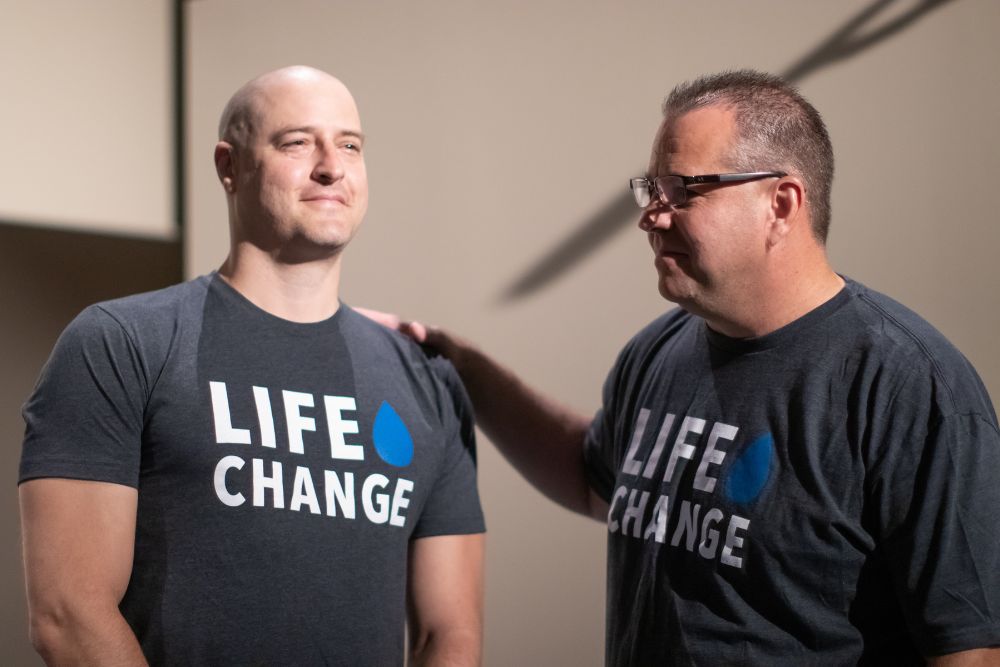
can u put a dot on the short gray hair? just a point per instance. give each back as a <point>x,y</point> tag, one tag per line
<point>777,128</point>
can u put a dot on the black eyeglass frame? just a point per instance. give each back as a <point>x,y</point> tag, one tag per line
<point>651,185</point>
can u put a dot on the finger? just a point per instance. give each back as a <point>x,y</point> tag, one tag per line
<point>415,330</point>
<point>385,319</point>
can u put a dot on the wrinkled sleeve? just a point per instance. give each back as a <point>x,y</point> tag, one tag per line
<point>84,418</point>
<point>938,504</point>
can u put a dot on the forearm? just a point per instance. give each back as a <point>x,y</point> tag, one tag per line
<point>85,637</point>
<point>540,437</point>
<point>984,657</point>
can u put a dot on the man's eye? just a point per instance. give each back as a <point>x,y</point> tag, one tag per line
<point>293,143</point>
<point>690,195</point>
<point>351,146</point>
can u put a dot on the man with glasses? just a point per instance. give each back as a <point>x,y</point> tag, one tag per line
<point>241,470</point>
<point>793,468</point>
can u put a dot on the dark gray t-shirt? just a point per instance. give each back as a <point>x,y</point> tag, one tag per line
<point>282,469</point>
<point>825,494</point>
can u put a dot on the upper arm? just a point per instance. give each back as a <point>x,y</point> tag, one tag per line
<point>445,598</point>
<point>84,420</point>
<point>78,542</point>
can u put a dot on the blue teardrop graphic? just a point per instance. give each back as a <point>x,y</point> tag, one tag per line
<point>750,471</point>
<point>392,440</point>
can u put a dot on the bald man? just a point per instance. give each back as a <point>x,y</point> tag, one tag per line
<point>241,469</point>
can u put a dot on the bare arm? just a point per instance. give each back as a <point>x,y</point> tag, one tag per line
<point>445,600</point>
<point>981,657</point>
<point>540,437</point>
<point>78,544</point>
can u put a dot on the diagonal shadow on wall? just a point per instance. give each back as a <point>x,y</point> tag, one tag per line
<point>619,214</point>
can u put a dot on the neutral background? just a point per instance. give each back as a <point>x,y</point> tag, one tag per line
<point>501,138</point>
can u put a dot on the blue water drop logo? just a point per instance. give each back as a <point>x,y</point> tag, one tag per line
<point>750,471</point>
<point>392,439</point>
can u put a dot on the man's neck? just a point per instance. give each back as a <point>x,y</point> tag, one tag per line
<point>777,303</point>
<point>301,292</point>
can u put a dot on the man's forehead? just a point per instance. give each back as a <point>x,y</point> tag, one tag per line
<point>291,96</point>
<point>310,101</point>
<point>301,93</point>
<point>693,140</point>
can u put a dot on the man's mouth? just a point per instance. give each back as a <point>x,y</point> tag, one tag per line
<point>661,247</point>
<point>323,198</point>
<point>661,250</point>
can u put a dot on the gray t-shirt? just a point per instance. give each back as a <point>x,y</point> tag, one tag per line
<point>282,470</point>
<point>825,494</point>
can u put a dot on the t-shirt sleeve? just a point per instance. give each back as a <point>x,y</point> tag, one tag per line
<point>939,510</point>
<point>84,419</point>
<point>453,506</point>
<point>599,456</point>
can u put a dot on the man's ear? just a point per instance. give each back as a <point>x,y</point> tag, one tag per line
<point>787,208</point>
<point>225,165</point>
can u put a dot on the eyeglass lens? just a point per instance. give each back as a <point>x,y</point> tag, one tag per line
<point>670,189</point>
<point>641,191</point>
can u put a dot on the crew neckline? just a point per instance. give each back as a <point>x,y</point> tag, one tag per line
<point>786,333</point>
<point>232,296</point>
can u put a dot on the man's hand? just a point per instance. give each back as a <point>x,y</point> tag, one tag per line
<point>445,343</point>
<point>414,330</point>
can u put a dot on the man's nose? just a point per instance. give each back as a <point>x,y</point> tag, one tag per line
<point>656,216</point>
<point>329,167</point>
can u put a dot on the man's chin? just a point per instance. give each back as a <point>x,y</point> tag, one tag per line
<point>674,292</point>
<point>312,247</point>
<point>665,291</point>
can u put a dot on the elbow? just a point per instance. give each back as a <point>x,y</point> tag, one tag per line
<point>59,629</point>
<point>48,630</point>
<point>446,649</point>
<point>418,648</point>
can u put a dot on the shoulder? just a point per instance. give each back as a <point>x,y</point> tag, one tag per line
<point>368,336</point>
<point>674,325</point>
<point>152,310</point>
<point>908,347</point>
<point>665,326</point>
<point>139,329</point>
<point>380,346</point>
<point>666,336</point>
<point>138,313</point>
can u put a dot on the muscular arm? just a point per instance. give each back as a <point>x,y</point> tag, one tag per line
<point>982,657</point>
<point>540,437</point>
<point>445,600</point>
<point>78,542</point>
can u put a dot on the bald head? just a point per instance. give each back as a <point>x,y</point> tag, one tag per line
<point>290,159</point>
<point>242,114</point>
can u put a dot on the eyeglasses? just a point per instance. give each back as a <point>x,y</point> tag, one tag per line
<point>673,189</point>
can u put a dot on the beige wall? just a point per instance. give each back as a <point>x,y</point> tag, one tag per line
<point>498,130</point>
<point>85,123</point>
